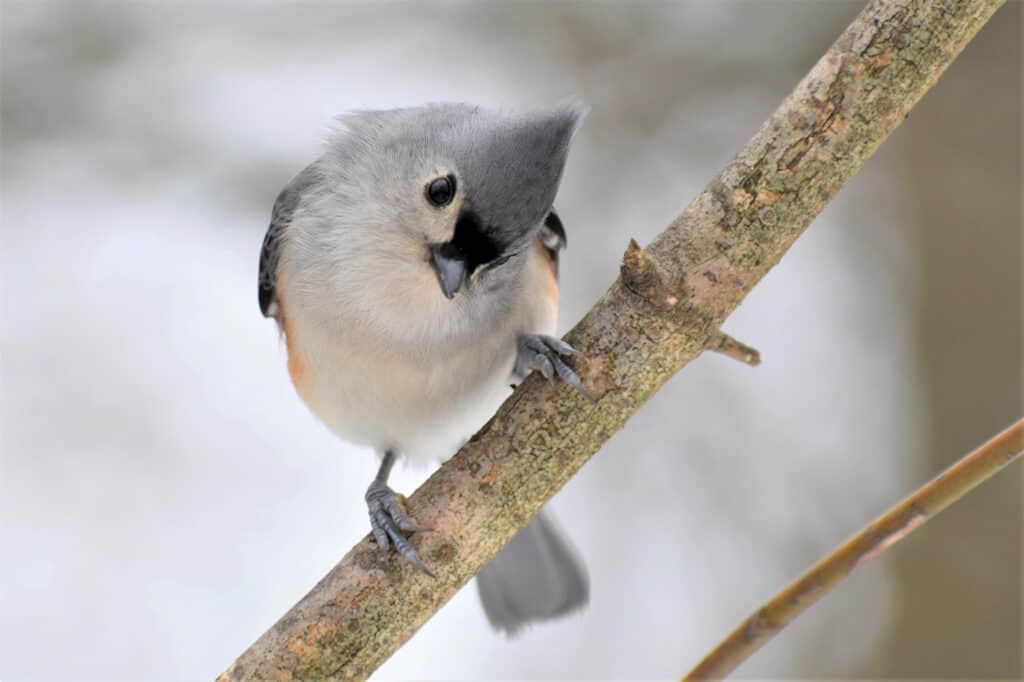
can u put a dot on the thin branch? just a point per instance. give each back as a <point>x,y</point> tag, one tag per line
<point>671,299</point>
<point>737,350</point>
<point>887,530</point>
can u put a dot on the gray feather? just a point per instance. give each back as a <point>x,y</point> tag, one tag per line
<point>270,255</point>
<point>536,577</point>
<point>552,238</point>
<point>510,165</point>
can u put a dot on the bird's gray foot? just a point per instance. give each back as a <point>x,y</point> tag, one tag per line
<point>387,520</point>
<point>543,353</point>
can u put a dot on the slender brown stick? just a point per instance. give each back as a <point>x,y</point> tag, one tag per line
<point>737,350</point>
<point>887,530</point>
<point>670,299</point>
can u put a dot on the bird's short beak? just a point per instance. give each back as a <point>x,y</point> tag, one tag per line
<point>450,267</point>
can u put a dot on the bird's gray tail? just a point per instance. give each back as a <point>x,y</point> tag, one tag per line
<point>537,576</point>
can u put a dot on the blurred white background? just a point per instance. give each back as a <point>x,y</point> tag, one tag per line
<point>165,496</point>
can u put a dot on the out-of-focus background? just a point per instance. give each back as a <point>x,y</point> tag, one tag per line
<point>165,496</point>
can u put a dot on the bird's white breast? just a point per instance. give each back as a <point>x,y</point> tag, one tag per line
<point>420,399</point>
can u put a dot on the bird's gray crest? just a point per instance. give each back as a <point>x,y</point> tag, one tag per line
<point>516,169</point>
<point>509,165</point>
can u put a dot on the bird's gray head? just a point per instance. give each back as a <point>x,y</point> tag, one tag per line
<point>452,188</point>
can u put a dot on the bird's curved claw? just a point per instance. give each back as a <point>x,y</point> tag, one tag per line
<point>544,354</point>
<point>388,520</point>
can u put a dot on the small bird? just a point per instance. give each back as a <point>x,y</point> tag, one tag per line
<point>413,271</point>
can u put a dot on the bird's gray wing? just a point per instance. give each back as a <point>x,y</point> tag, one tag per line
<point>537,576</point>
<point>284,208</point>
<point>552,238</point>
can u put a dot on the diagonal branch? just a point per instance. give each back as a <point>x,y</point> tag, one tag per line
<point>661,313</point>
<point>945,489</point>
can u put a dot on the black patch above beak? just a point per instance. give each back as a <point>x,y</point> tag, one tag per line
<point>450,266</point>
<point>471,247</point>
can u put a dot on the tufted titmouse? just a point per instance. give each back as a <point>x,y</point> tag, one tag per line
<point>412,269</point>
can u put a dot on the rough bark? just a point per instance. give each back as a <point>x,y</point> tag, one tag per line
<point>664,309</point>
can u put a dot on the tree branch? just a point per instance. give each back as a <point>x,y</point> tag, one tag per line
<point>661,313</point>
<point>887,530</point>
<point>737,350</point>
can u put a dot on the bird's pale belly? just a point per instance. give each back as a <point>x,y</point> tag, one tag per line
<point>386,400</point>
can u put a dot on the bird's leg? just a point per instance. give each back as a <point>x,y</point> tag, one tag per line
<point>387,519</point>
<point>543,353</point>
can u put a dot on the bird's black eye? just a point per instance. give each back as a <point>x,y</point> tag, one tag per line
<point>441,191</point>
